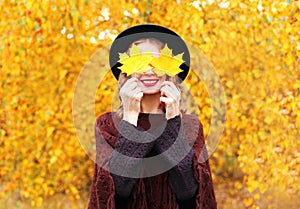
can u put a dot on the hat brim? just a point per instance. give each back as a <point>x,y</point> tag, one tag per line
<point>163,34</point>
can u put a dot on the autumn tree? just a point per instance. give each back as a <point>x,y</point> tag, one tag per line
<point>252,45</point>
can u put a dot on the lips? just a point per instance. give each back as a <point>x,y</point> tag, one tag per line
<point>149,82</point>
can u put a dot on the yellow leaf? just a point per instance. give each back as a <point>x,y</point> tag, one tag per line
<point>159,72</point>
<point>50,131</point>
<point>39,180</point>
<point>268,120</point>
<point>135,64</point>
<point>257,196</point>
<point>139,63</point>
<point>179,57</point>
<point>73,189</point>
<point>123,56</point>
<point>57,152</point>
<point>166,51</point>
<point>166,62</point>
<point>248,201</point>
<point>134,50</point>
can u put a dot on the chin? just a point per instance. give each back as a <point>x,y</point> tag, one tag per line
<point>151,91</point>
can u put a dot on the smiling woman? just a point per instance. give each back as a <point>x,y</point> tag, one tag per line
<point>159,158</point>
<point>150,80</point>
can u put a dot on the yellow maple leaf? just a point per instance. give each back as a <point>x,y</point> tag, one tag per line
<point>136,62</point>
<point>134,50</point>
<point>123,56</point>
<point>159,72</point>
<point>167,63</point>
<point>139,63</point>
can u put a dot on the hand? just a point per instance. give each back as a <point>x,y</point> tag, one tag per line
<point>131,95</point>
<point>170,97</point>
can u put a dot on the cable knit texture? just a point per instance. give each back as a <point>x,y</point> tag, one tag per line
<point>129,143</point>
<point>181,178</point>
<point>160,191</point>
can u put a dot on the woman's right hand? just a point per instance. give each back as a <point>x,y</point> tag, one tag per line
<point>131,95</point>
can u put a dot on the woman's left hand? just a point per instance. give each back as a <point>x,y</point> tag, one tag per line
<point>170,96</point>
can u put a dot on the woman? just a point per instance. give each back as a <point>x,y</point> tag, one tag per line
<point>150,123</point>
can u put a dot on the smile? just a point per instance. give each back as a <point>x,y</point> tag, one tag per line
<point>150,82</point>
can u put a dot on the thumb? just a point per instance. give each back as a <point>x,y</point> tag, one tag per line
<point>165,100</point>
<point>138,96</point>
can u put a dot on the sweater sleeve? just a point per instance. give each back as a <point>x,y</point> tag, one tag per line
<point>132,142</point>
<point>181,176</point>
<point>102,192</point>
<point>205,197</point>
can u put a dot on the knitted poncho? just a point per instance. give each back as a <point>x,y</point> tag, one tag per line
<point>153,192</point>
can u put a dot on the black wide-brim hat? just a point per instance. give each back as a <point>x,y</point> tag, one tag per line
<point>163,34</point>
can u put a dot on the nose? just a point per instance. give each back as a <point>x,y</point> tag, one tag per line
<point>150,71</point>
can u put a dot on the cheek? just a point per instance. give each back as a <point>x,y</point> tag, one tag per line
<point>163,78</point>
<point>135,75</point>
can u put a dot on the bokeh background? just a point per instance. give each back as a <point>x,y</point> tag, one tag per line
<point>253,45</point>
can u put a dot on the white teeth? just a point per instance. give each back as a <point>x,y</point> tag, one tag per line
<point>149,82</point>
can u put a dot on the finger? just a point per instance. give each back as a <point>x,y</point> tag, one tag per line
<point>166,100</point>
<point>165,92</point>
<point>130,91</point>
<point>171,85</point>
<point>170,92</point>
<point>175,90</point>
<point>137,93</point>
<point>130,85</point>
<point>133,87</point>
<point>130,81</point>
<point>139,96</point>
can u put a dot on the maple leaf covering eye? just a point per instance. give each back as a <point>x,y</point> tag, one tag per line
<point>136,62</point>
<point>167,63</point>
<point>139,63</point>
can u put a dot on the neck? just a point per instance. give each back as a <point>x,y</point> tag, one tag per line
<point>150,103</point>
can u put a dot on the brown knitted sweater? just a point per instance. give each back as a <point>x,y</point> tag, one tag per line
<point>161,191</point>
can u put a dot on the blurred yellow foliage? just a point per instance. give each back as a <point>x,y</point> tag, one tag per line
<point>253,45</point>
